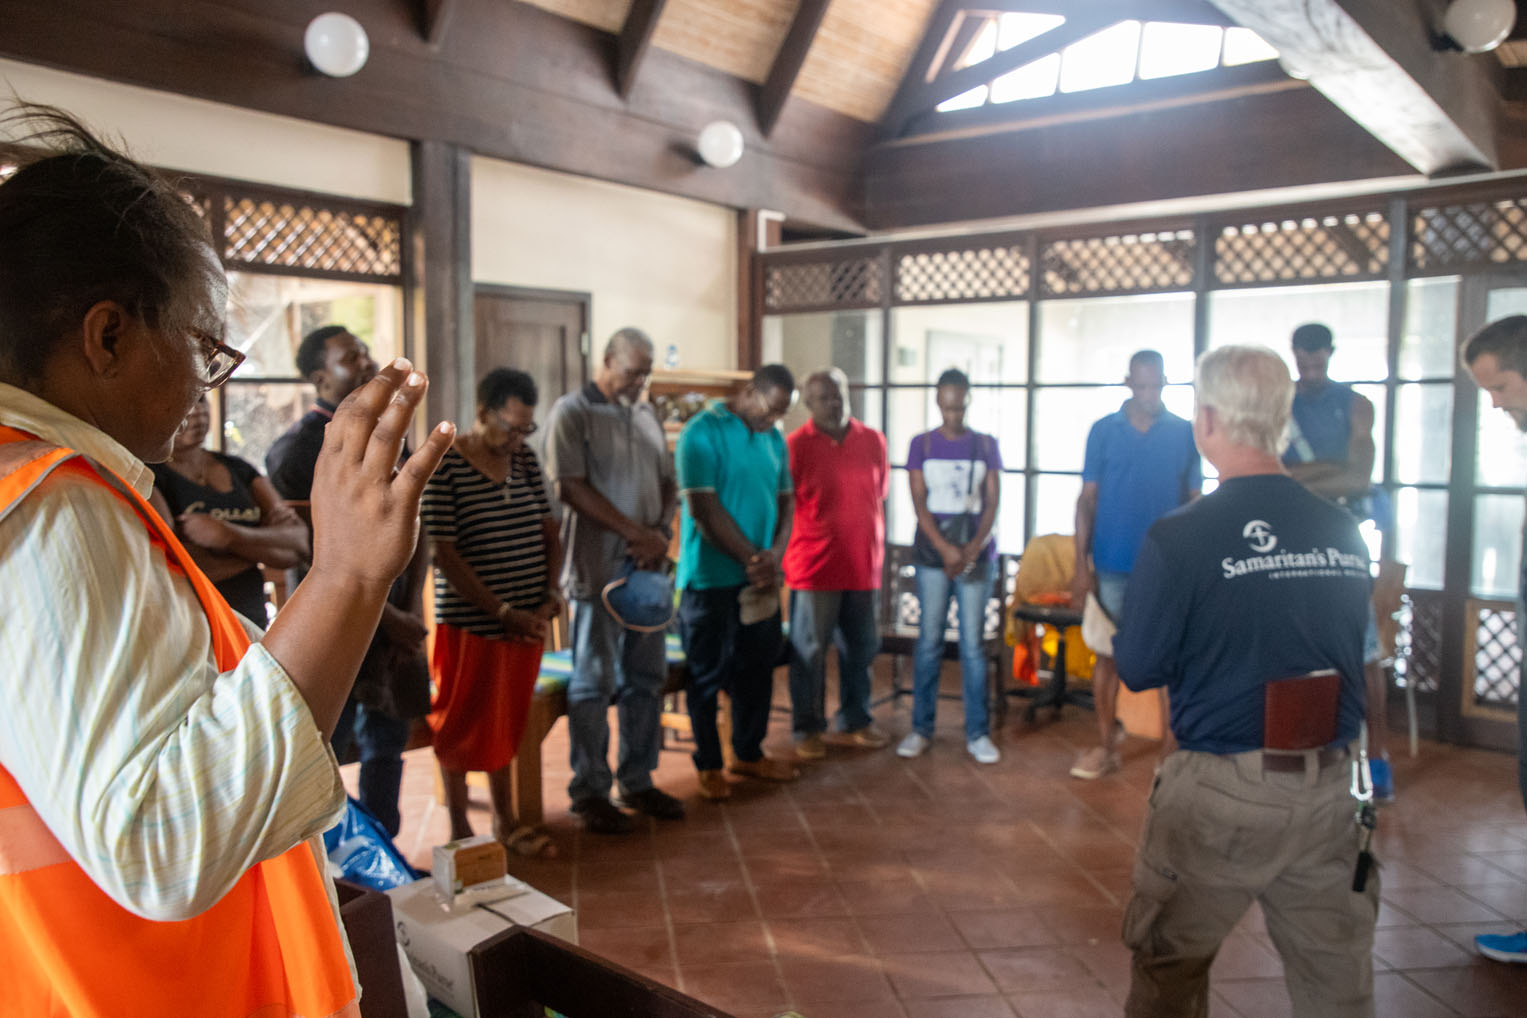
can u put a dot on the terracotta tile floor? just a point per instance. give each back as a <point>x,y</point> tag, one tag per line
<point>938,888</point>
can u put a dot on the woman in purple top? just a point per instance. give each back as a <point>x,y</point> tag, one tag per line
<point>955,474</point>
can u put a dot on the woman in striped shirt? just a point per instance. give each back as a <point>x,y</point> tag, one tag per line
<point>494,543</point>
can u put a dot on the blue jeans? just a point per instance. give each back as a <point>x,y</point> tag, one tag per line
<point>611,660</point>
<point>380,738</point>
<point>847,616</point>
<point>934,589</point>
<point>724,654</point>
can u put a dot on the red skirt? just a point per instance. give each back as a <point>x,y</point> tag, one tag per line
<point>482,698</point>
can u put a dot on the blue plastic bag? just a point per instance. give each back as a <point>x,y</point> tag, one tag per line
<point>365,855</point>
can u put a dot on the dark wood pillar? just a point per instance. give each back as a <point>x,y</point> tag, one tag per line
<point>757,230</point>
<point>442,279</point>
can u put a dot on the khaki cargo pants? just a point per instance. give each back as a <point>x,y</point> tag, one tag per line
<point>1222,832</point>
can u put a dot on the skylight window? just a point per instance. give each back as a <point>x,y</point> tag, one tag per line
<point>1243,46</point>
<point>1128,51</point>
<point>1031,81</point>
<point>1168,48</point>
<point>1107,58</point>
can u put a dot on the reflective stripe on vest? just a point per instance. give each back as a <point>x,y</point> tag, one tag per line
<point>269,948</point>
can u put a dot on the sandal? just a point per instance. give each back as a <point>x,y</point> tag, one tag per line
<point>530,843</point>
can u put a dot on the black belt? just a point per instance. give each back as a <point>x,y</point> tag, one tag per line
<point>1284,760</point>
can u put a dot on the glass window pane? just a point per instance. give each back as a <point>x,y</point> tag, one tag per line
<point>900,519</point>
<point>912,411</point>
<point>1243,46</point>
<point>257,413</point>
<point>1421,535</point>
<point>1031,81</point>
<point>849,340</point>
<point>1062,419</point>
<point>866,405</point>
<point>1010,514</point>
<point>1505,300</point>
<point>1107,58</point>
<point>1423,433</point>
<point>1428,346</point>
<point>1019,27</point>
<point>269,315</point>
<point>989,342</point>
<point>1091,339</point>
<point>965,100</point>
<point>1055,503</point>
<point>1501,454</point>
<point>1357,313</point>
<point>1497,545</point>
<point>1168,48</point>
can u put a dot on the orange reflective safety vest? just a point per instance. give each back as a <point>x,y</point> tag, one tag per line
<point>270,948</point>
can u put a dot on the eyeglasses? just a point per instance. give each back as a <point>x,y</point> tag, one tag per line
<point>218,360</point>
<point>524,430</point>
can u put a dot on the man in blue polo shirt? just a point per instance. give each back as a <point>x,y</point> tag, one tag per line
<point>1140,465</point>
<point>734,476</point>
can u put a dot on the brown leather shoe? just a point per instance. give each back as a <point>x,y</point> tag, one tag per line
<point>868,737</point>
<point>713,785</point>
<point>810,747</point>
<point>764,768</point>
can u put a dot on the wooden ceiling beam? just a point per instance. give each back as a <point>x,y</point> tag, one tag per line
<point>970,26</point>
<point>432,16</point>
<point>631,45</point>
<point>922,65</point>
<point>926,95</point>
<point>1375,60</point>
<point>788,62</point>
<point>1193,12</point>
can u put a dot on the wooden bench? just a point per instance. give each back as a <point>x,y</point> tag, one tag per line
<point>549,703</point>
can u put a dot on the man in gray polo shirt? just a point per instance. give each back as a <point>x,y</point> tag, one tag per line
<point>608,457</point>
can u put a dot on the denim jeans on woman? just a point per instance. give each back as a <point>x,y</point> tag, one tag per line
<point>934,589</point>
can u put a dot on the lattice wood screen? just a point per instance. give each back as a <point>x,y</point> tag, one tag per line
<point>1351,245</point>
<point>970,273</point>
<point>1418,642</point>
<point>853,281</point>
<point>1497,657</point>
<point>1444,238</point>
<point>1128,263</point>
<point>307,235</point>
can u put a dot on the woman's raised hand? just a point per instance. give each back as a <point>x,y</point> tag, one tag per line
<point>365,505</point>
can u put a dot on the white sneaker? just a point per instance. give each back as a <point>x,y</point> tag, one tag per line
<point>984,750</point>
<point>913,745</point>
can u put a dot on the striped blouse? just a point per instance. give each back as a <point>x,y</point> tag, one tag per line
<point>497,531</point>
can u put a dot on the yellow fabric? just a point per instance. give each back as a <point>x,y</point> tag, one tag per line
<point>1046,568</point>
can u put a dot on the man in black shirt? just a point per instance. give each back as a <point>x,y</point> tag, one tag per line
<point>392,686</point>
<point>1258,582</point>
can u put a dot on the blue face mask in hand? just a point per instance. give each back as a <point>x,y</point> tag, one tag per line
<point>640,599</point>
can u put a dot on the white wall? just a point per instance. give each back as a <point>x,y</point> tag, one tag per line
<point>210,138</point>
<point>666,265</point>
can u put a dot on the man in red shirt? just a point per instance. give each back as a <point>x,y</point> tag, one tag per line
<point>832,565</point>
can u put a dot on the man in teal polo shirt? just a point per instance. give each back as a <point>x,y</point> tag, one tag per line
<point>1140,465</point>
<point>734,476</point>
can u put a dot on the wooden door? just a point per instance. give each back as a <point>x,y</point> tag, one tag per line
<point>541,332</point>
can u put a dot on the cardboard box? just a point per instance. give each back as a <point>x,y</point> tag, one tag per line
<point>437,939</point>
<point>367,916</point>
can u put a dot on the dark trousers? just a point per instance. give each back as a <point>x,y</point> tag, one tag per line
<point>724,654</point>
<point>380,739</point>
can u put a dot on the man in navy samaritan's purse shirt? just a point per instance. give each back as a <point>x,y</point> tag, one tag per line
<point>1257,582</point>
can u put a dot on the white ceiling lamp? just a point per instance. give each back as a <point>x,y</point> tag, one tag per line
<point>720,144</point>
<point>336,44</point>
<point>1478,26</point>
